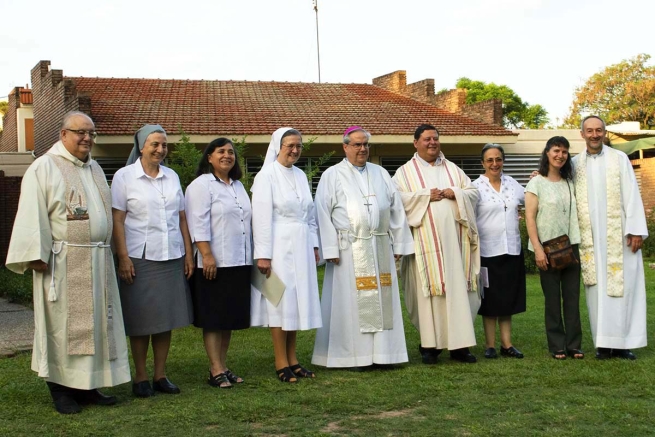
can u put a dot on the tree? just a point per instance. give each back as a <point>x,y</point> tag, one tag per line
<point>516,112</point>
<point>4,105</point>
<point>184,159</point>
<point>620,92</point>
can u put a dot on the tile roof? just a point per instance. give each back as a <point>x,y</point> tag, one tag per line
<point>26,96</point>
<point>201,107</point>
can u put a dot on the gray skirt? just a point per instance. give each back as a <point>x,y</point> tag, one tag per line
<point>158,300</point>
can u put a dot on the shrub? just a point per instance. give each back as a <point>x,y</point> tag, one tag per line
<point>16,288</point>
<point>184,159</point>
<point>530,264</point>
<point>649,243</point>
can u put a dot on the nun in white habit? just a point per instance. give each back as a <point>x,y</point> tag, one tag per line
<point>285,242</point>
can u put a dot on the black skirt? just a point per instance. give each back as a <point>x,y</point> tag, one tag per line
<point>222,303</point>
<point>505,295</point>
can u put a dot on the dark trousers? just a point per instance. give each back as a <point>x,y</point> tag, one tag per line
<point>562,289</point>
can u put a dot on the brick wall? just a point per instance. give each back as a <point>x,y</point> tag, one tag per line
<point>9,194</point>
<point>54,96</point>
<point>647,171</point>
<point>451,100</point>
<point>395,82</point>
<point>9,142</point>
<point>488,111</point>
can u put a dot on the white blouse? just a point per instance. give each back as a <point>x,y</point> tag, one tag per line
<point>153,205</point>
<point>497,216</point>
<point>220,213</point>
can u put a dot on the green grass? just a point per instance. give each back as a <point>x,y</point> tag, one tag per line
<point>16,288</point>
<point>533,396</point>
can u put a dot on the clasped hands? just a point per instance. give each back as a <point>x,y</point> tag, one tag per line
<point>436,194</point>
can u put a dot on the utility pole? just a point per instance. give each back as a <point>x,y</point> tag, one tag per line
<point>318,50</point>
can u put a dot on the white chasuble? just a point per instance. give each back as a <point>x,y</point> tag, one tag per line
<point>445,318</point>
<point>284,231</point>
<point>360,213</point>
<point>41,221</point>
<point>617,322</point>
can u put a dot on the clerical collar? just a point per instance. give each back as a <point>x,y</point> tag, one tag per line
<point>595,155</point>
<point>359,169</point>
<point>427,164</point>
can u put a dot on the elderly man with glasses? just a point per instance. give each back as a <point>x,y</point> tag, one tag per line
<point>362,229</point>
<point>62,232</point>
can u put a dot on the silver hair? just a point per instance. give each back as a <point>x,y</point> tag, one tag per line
<point>346,138</point>
<point>65,123</point>
<point>591,116</point>
<point>492,146</point>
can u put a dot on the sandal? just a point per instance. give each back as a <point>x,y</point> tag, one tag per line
<point>219,380</point>
<point>576,354</point>
<point>559,355</point>
<point>234,379</point>
<point>286,375</point>
<point>299,370</point>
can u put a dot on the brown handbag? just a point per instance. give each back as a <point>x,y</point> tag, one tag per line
<point>559,250</point>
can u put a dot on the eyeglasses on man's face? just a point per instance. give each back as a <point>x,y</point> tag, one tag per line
<point>492,160</point>
<point>360,145</point>
<point>83,133</point>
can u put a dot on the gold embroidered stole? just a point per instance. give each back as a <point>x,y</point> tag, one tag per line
<point>374,300</point>
<point>427,243</point>
<point>79,268</point>
<point>614,224</point>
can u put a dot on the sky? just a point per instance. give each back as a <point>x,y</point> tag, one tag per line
<point>541,49</point>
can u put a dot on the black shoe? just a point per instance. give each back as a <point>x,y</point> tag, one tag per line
<point>463,355</point>
<point>625,354</point>
<point>490,353</point>
<point>603,353</point>
<point>165,386</point>
<point>511,352</point>
<point>65,403</point>
<point>93,397</point>
<point>142,389</point>
<point>429,355</point>
<point>64,398</point>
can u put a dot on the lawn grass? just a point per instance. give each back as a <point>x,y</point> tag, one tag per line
<point>533,396</point>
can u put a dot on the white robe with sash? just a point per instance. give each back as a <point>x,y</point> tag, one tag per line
<point>340,342</point>
<point>616,322</point>
<point>444,321</point>
<point>41,219</point>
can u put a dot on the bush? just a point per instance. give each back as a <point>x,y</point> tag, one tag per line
<point>649,243</point>
<point>184,159</point>
<point>16,288</point>
<point>530,263</point>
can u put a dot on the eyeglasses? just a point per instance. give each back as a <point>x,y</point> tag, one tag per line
<point>83,133</point>
<point>297,147</point>
<point>492,160</point>
<point>360,145</point>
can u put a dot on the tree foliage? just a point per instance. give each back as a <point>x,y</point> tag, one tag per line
<point>184,159</point>
<point>4,105</point>
<point>516,112</point>
<point>620,92</point>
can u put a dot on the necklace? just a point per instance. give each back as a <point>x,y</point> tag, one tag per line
<point>292,185</point>
<point>234,191</point>
<point>368,188</point>
<point>160,191</point>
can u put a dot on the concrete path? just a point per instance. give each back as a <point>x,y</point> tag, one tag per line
<point>16,328</point>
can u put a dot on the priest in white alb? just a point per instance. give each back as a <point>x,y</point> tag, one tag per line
<point>62,232</point>
<point>612,227</point>
<point>441,279</point>
<point>363,230</point>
